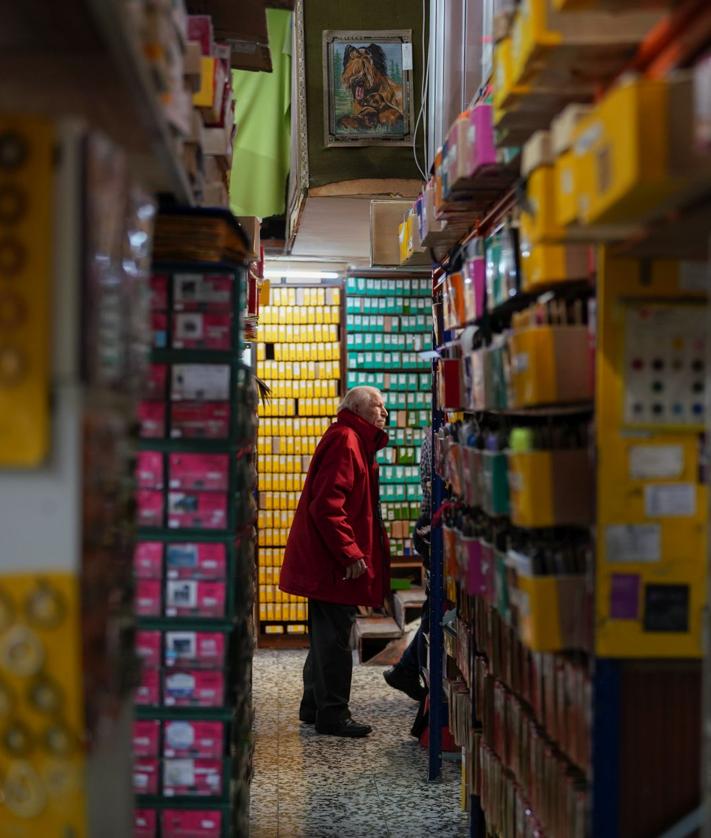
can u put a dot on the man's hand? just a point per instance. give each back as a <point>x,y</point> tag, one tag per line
<point>353,571</point>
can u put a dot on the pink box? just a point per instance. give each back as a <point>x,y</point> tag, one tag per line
<point>149,470</point>
<point>199,740</point>
<point>148,691</point>
<point>200,29</point>
<point>157,381</point>
<point>189,823</point>
<point>196,561</point>
<point>150,508</point>
<point>146,738</point>
<point>159,327</point>
<point>203,649</point>
<point>145,823</point>
<point>148,597</point>
<point>191,598</point>
<point>202,292</point>
<point>148,560</point>
<point>483,150</point>
<point>194,688</point>
<point>145,776</point>
<point>197,777</point>
<point>205,510</point>
<point>159,292</point>
<point>147,646</point>
<point>206,472</point>
<point>200,330</point>
<point>200,420</point>
<point>151,418</point>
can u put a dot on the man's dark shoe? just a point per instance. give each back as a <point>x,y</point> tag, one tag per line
<point>308,717</point>
<point>406,682</point>
<point>347,728</point>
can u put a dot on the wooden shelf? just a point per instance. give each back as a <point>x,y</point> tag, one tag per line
<point>81,59</point>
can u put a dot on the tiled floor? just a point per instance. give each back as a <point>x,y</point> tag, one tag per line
<point>311,786</point>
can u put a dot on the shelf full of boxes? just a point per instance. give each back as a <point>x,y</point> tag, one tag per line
<point>537,373</point>
<point>300,359</point>
<point>388,328</point>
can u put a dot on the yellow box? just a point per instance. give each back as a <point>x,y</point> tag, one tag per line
<point>566,195</point>
<point>205,96</point>
<point>540,225</point>
<point>552,612</point>
<point>548,264</point>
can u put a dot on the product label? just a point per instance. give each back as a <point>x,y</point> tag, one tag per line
<point>670,500</point>
<point>633,543</point>
<point>653,462</point>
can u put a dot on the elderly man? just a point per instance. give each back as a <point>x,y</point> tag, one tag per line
<point>337,555</point>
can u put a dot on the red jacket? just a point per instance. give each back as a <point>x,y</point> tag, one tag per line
<point>337,520</point>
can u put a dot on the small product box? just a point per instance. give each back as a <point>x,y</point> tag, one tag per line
<point>148,597</point>
<point>148,691</point>
<point>149,470</point>
<point>202,330</point>
<point>196,561</point>
<point>145,823</point>
<point>147,647</point>
<point>196,777</point>
<point>200,420</point>
<point>148,560</point>
<point>190,823</point>
<point>159,328</point>
<point>157,381</point>
<point>150,508</point>
<point>194,688</point>
<point>146,738</point>
<point>189,598</point>
<point>200,649</point>
<point>196,740</point>
<point>206,472</point>
<point>151,418</point>
<point>145,776</point>
<point>200,382</point>
<point>202,292</point>
<point>202,510</point>
<point>159,292</point>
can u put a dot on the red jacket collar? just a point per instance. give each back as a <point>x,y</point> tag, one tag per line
<point>373,438</point>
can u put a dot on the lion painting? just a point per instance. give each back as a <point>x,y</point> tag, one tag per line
<point>375,98</point>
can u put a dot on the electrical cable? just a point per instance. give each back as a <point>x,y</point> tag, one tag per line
<point>421,117</point>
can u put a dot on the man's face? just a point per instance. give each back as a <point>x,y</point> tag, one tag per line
<point>373,410</point>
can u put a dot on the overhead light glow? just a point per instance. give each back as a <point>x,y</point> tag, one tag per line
<point>293,273</point>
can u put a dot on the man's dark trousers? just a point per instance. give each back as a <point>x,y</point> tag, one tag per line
<point>329,664</point>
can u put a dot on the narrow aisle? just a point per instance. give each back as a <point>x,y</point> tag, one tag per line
<point>311,786</point>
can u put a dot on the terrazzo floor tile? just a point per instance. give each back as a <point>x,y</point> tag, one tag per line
<point>311,786</point>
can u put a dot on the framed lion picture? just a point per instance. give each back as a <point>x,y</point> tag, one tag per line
<point>367,86</point>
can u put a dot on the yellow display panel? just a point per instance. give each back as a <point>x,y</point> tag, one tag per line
<point>42,759</point>
<point>651,536</point>
<point>26,151</point>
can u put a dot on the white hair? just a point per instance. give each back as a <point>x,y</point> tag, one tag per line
<point>357,396</point>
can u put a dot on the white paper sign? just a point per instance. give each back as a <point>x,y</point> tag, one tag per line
<point>407,56</point>
<point>633,543</point>
<point>653,462</point>
<point>670,500</point>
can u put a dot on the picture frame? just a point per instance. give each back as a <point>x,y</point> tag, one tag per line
<point>368,88</point>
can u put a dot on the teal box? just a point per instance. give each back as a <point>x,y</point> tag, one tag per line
<point>496,483</point>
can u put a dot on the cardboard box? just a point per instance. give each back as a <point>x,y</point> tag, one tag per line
<point>385,217</point>
<point>252,226</point>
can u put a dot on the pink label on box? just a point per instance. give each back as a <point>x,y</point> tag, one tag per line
<point>146,738</point>
<point>189,823</point>
<point>148,560</point>
<point>145,823</point>
<point>159,292</point>
<point>145,776</point>
<point>191,598</point>
<point>196,561</point>
<point>198,777</point>
<point>157,381</point>
<point>200,330</point>
<point>203,510</point>
<point>199,292</point>
<point>148,597</point>
<point>194,688</point>
<point>148,645</point>
<point>187,739</point>
<point>151,418</point>
<point>206,472</point>
<point>149,470</point>
<point>195,648</point>
<point>200,420</point>
<point>148,691</point>
<point>200,29</point>
<point>149,508</point>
